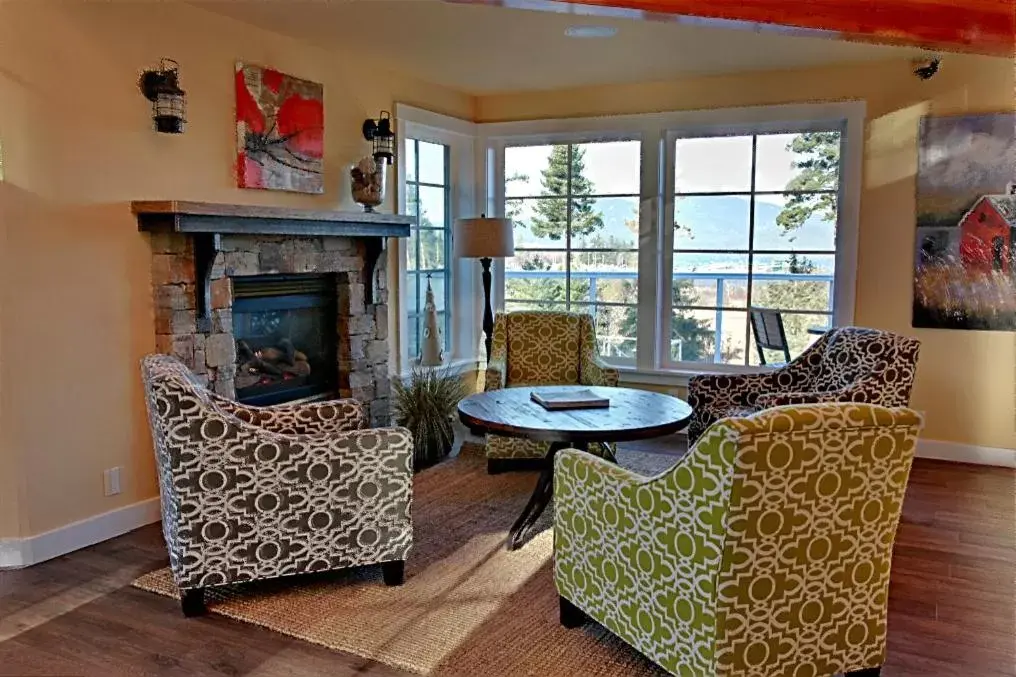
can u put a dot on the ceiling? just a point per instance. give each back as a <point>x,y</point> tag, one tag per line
<point>484,49</point>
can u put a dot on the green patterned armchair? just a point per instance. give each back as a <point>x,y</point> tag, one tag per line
<point>764,552</point>
<point>540,348</point>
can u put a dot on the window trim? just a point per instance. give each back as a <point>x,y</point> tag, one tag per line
<point>423,273</point>
<point>464,306</point>
<point>568,249</point>
<point>653,129</point>
<point>670,197</point>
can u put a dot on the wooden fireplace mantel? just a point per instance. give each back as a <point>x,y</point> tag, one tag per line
<point>207,222</point>
<point>210,217</point>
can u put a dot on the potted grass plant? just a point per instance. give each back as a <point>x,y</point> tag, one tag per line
<point>425,404</point>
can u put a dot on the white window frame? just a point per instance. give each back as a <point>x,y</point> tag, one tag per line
<point>669,207</point>
<point>656,132</point>
<point>464,307</point>
<point>498,281</point>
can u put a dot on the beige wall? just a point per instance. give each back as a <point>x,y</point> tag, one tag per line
<point>76,312</point>
<point>966,379</point>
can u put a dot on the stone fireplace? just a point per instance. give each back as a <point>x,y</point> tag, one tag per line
<point>271,305</point>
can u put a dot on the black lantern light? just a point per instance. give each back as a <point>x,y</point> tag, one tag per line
<point>162,88</point>
<point>379,133</point>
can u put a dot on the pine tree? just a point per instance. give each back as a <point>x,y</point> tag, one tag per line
<point>818,159</point>
<point>694,335</point>
<point>551,218</point>
<point>799,265</point>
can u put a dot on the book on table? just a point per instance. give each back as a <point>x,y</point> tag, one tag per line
<point>583,398</point>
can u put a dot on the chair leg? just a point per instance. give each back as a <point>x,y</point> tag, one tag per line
<point>571,615</point>
<point>192,601</point>
<point>394,573</point>
<point>867,672</point>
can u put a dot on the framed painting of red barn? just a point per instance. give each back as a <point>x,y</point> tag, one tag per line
<point>965,259</point>
<point>279,131</point>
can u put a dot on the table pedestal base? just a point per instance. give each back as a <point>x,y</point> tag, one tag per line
<point>542,493</point>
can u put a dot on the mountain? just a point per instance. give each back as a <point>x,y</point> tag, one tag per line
<point>716,223</point>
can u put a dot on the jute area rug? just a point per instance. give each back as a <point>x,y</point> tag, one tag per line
<point>468,607</point>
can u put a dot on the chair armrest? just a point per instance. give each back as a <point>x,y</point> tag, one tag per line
<point>848,394</point>
<point>241,443</point>
<point>716,392</point>
<point>596,372</point>
<point>495,377</point>
<point>311,418</point>
<point>569,464</point>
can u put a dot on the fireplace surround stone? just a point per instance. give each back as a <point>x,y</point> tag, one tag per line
<point>208,347</point>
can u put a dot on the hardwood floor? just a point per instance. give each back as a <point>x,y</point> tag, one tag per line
<point>952,601</point>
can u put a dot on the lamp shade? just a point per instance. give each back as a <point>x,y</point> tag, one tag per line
<point>483,237</point>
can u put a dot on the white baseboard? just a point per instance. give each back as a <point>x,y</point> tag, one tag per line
<point>966,453</point>
<point>24,552</point>
<point>34,549</point>
<point>10,553</point>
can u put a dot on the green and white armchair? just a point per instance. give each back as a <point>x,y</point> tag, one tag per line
<point>764,552</point>
<point>540,348</point>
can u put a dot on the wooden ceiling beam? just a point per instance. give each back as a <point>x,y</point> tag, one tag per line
<point>973,26</point>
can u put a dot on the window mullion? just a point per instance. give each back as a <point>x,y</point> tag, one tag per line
<point>650,285</point>
<point>447,237</point>
<point>567,230</point>
<point>751,248</point>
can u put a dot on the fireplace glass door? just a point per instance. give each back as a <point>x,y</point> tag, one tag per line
<point>285,332</point>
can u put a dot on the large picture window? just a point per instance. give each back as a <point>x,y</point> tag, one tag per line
<point>754,226</point>
<point>671,228</point>
<point>576,212</point>
<point>428,197</point>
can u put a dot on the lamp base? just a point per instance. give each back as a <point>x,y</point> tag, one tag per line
<point>488,314</point>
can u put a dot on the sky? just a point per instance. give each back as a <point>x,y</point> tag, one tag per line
<point>705,165</point>
<point>714,164</point>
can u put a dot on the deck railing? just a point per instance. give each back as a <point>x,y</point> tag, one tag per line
<point>614,345</point>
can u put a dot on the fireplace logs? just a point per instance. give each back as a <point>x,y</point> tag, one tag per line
<point>269,365</point>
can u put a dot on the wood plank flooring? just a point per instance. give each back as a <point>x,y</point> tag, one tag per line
<point>952,601</point>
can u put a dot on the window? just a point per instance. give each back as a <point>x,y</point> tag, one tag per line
<point>670,227</point>
<point>428,197</point>
<point>754,227</point>
<point>576,212</point>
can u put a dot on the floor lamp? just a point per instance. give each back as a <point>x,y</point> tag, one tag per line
<point>484,238</point>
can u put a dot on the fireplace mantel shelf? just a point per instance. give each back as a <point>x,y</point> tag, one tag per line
<point>206,222</point>
<point>208,217</point>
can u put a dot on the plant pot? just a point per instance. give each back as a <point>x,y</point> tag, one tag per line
<point>425,405</point>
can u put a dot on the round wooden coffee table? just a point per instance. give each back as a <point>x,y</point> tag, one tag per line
<point>632,415</point>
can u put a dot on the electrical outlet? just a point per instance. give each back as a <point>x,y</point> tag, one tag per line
<point>111,481</point>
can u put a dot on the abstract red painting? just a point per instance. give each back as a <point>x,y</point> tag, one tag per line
<point>279,131</point>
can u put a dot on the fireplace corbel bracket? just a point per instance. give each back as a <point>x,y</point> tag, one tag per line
<point>206,247</point>
<point>374,250</point>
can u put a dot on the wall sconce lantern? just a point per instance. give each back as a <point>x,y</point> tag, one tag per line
<point>379,133</point>
<point>162,88</point>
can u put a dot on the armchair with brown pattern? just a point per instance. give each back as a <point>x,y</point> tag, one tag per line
<point>251,493</point>
<point>848,364</point>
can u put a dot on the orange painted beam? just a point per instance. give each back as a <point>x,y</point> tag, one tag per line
<point>975,26</point>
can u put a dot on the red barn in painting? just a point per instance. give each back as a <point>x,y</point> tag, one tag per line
<point>988,235</point>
